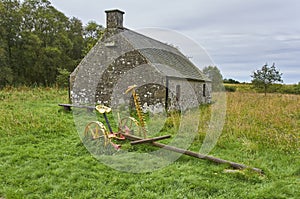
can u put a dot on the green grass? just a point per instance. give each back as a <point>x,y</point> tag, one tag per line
<point>274,88</point>
<point>41,154</point>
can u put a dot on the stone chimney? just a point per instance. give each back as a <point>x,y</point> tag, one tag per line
<point>114,18</point>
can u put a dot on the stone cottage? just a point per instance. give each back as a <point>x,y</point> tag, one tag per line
<point>165,78</point>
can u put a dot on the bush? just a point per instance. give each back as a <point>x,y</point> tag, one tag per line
<point>6,76</point>
<point>62,79</point>
<point>274,88</point>
<point>290,89</point>
<point>230,81</point>
<point>230,88</point>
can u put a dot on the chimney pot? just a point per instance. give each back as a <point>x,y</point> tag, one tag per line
<point>114,18</point>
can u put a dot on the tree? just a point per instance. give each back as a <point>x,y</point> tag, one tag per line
<point>92,33</point>
<point>214,74</point>
<point>48,41</point>
<point>76,35</point>
<point>230,81</point>
<point>266,76</point>
<point>37,42</point>
<point>10,20</point>
<point>6,74</point>
<point>62,79</point>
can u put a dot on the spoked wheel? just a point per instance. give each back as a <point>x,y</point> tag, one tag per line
<point>96,131</point>
<point>130,125</point>
<point>96,137</point>
<point>98,140</point>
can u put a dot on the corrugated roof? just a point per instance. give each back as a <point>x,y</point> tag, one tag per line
<point>167,59</point>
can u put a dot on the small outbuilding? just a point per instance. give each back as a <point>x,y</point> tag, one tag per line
<point>165,78</point>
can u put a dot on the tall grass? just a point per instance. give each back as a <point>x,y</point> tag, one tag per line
<point>272,120</point>
<point>274,88</point>
<point>41,154</point>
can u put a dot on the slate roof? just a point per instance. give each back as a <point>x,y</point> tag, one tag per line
<point>165,58</point>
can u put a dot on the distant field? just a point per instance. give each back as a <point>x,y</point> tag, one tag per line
<point>275,88</point>
<point>41,155</point>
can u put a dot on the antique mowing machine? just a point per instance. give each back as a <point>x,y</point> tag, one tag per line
<point>97,131</point>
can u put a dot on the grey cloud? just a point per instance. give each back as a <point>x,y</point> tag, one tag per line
<point>239,35</point>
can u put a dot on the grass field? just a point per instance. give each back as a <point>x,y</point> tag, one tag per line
<point>41,155</point>
<point>274,88</point>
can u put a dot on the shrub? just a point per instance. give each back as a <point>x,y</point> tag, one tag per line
<point>62,79</point>
<point>230,81</point>
<point>290,89</point>
<point>230,88</point>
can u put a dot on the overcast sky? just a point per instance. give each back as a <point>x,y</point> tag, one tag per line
<point>239,35</point>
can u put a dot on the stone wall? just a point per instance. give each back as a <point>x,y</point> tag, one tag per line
<point>85,78</point>
<point>113,65</point>
<point>202,91</point>
<point>114,73</point>
<point>184,94</point>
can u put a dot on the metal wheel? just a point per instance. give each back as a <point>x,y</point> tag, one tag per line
<point>96,131</point>
<point>98,140</point>
<point>130,125</point>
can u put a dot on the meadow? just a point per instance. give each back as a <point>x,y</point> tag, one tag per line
<point>42,156</point>
<point>274,88</point>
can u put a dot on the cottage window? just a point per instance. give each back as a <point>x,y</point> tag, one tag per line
<point>178,92</point>
<point>204,90</point>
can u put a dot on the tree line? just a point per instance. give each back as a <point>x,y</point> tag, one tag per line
<point>38,42</point>
<point>268,79</point>
<point>40,46</point>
